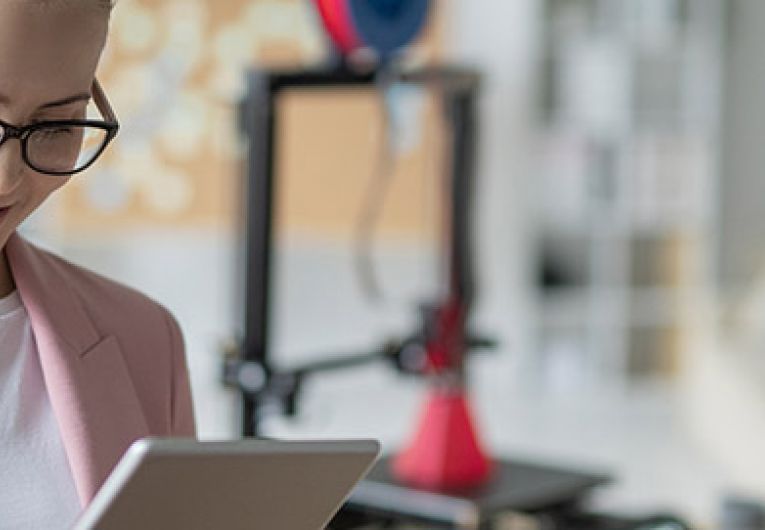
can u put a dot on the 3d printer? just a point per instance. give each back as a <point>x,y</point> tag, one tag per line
<point>444,478</point>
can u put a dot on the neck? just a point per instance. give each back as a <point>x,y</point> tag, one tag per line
<point>7,285</point>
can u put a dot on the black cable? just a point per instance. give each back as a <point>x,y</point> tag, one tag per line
<point>380,180</point>
<point>588,521</point>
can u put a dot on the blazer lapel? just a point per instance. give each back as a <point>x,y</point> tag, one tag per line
<point>93,398</point>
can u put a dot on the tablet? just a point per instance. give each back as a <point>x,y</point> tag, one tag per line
<point>173,483</point>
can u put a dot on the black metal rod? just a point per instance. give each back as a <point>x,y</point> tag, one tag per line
<point>450,78</point>
<point>460,108</point>
<point>260,117</point>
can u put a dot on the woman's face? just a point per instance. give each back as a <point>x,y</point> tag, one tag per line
<point>49,50</point>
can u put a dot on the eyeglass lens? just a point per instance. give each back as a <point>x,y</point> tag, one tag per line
<point>64,148</point>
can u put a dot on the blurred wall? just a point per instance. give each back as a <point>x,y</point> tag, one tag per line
<point>174,71</point>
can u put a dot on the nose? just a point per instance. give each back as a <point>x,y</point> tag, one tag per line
<point>11,165</point>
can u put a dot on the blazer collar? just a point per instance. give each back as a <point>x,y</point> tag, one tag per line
<point>48,297</point>
<point>93,398</point>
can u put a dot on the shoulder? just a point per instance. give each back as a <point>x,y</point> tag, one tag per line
<point>149,337</point>
<point>115,308</point>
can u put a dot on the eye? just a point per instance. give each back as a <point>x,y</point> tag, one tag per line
<point>48,133</point>
<point>60,130</point>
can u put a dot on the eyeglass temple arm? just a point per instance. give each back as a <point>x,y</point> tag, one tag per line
<point>102,103</point>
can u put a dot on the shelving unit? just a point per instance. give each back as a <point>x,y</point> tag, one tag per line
<point>629,118</point>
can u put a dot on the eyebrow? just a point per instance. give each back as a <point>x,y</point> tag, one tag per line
<point>84,96</point>
<point>66,101</point>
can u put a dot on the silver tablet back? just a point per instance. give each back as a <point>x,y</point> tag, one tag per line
<point>248,484</point>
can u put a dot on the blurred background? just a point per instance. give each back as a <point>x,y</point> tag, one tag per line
<point>620,249</point>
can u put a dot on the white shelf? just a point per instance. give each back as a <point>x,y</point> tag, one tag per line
<point>644,306</point>
<point>628,164</point>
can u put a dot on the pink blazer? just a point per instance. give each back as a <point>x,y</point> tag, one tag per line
<point>112,359</point>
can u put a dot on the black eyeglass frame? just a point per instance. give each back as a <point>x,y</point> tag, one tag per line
<point>108,124</point>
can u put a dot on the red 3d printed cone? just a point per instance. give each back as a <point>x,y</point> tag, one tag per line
<point>445,453</point>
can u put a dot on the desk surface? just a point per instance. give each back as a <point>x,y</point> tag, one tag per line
<point>515,485</point>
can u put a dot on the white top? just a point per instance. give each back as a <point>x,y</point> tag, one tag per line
<point>36,486</point>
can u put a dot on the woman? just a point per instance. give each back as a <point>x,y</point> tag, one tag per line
<point>87,366</point>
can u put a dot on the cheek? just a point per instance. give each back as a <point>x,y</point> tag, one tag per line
<point>40,187</point>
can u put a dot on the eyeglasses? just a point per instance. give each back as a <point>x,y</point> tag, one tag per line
<point>65,147</point>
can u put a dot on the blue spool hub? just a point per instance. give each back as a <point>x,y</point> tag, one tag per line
<point>387,25</point>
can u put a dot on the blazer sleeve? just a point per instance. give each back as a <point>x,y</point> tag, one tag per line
<point>181,407</point>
